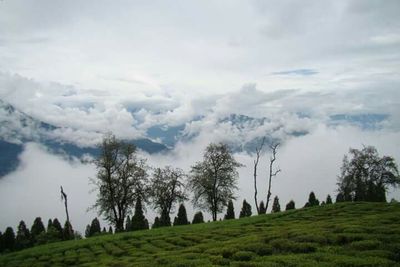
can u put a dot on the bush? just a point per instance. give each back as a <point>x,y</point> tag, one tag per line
<point>285,245</point>
<point>365,244</point>
<point>243,255</point>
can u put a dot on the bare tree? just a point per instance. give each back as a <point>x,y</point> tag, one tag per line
<point>214,179</point>
<point>258,153</point>
<point>166,189</point>
<point>273,147</point>
<point>121,179</point>
<point>64,197</point>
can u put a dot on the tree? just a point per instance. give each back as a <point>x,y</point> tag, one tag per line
<point>110,230</point>
<point>156,223</point>
<point>58,227</point>
<point>214,180</point>
<point>273,147</point>
<point>37,228</point>
<point>121,179</point>
<point>23,239</point>
<point>328,200</point>
<point>312,200</point>
<point>276,207</point>
<point>246,210</point>
<point>230,212</point>
<point>339,198</point>
<point>258,154</point>
<point>198,218</point>
<point>128,224</point>
<point>365,176</point>
<point>95,227</point>
<point>262,209</point>
<point>49,224</point>
<point>167,188</point>
<point>290,205</point>
<point>181,219</point>
<point>68,231</point>
<point>138,221</point>
<point>104,230</point>
<point>9,239</point>
<point>1,242</point>
<point>87,231</point>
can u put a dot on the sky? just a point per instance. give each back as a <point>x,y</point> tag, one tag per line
<point>124,66</point>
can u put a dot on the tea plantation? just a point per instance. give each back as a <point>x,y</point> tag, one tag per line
<point>344,234</point>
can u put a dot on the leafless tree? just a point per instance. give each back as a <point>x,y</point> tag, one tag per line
<point>64,197</point>
<point>258,154</point>
<point>272,173</point>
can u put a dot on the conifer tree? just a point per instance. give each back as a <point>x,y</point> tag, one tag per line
<point>312,200</point>
<point>198,218</point>
<point>68,232</point>
<point>37,228</point>
<point>87,231</point>
<point>58,227</point>
<point>339,198</point>
<point>290,205</point>
<point>230,212</point>
<point>128,224</point>
<point>1,242</point>
<point>95,227</point>
<point>23,239</point>
<point>328,199</point>
<point>262,208</point>
<point>181,218</point>
<point>49,224</point>
<point>9,239</point>
<point>110,230</point>
<point>276,207</point>
<point>104,230</point>
<point>138,220</point>
<point>156,223</point>
<point>246,210</point>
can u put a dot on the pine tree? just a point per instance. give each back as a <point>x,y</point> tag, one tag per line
<point>156,223</point>
<point>23,239</point>
<point>339,198</point>
<point>58,227</point>
<point>230,212</point>
<point>68,232</point>
<point>312,200</point>
<point>290,205</point>
<point>104,230</point>
<point>246,210</point>
<point>328,199</point>
<point>262,208</point>
<point>95,227</point>
<point>37,228</point>
<point>1,243</point>
<point>198,218</point>
<point>138,220</point>
<point>49,224</point>
<point>181,219</point>
<point>9,239</point>
<point>276,207</point>
<point>110,230</point>
<point>165,220</point>
<point>87,231</point>
<point>128,224</point>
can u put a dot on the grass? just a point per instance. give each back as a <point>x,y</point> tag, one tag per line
<point>345,234</point>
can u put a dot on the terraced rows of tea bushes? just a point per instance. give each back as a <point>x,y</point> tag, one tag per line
<point>345,234</point>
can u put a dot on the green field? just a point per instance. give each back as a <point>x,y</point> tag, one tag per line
<point>345,234</point>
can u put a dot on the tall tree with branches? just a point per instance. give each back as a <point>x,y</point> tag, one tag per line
<point>272,172</point>
<point>121,179</point>
<point>214,179</point>
<point>258,154</point>
<point>166,189</point>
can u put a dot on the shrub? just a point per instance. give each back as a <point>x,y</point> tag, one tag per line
<point>243,255</point>
<point>365,244</point>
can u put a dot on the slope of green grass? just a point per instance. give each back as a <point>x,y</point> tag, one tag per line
<point>345,234</point>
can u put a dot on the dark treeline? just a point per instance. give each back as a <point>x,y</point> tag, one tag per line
<point>126,185</point>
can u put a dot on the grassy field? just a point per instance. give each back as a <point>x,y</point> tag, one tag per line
<point>346,234</point>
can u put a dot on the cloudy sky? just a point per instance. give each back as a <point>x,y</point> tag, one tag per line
<point>125,66</point>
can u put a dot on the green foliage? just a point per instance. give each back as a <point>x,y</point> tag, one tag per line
<point>68,231</point>
<point>138,221</point>
<point>1,242</point>
<point>181,219</point>
<point>58,227</point>
<point>365,176</point>
<point>9,239</point>
<point>276,207</point>
<point>246,210</point>
<point>344,234</point>
<point>312,200</point>
<point>230,212</point>
<point>37,228</point>
<point>198,218</point>
<point>23,239</point>
<point>328,200</point>
<point>262,208</point>
<point>290,205</point>
<point>95,227</point>
<point>214,179</point>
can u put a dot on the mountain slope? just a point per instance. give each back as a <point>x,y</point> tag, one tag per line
<point>345,234</point>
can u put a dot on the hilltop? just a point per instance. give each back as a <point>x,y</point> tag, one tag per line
<point>344,234</point>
